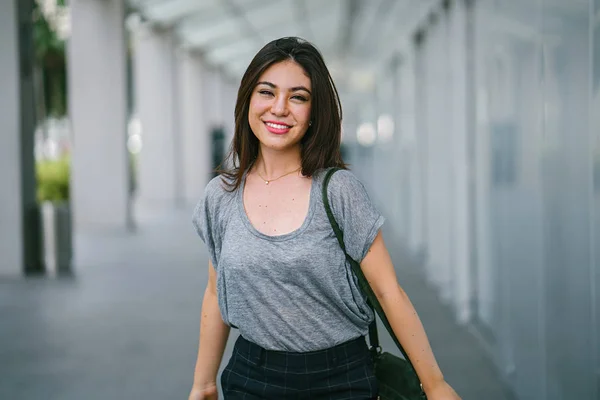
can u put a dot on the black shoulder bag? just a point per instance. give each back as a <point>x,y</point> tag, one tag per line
<point>396,377</point>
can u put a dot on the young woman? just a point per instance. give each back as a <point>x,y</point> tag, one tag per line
<point>276,270</point>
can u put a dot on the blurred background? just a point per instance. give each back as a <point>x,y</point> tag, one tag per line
<point>474,124</point>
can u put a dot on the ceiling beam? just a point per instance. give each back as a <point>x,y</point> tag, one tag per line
<point>301,8</point>
<point>366,18</point>
<point>209,34</point>
<point>400,42</point>
<point>383,15</point>
<point>225,54</point>
<point>350,13</point>
<point>170,12</point>
<point>239,13</point>
<point>200,33</point>
<point>396,17</point>
<point>202,14</point>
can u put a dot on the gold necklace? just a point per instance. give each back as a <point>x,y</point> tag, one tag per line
<point>267,181</point>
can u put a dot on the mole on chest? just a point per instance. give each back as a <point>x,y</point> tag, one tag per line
<point>277,213</point>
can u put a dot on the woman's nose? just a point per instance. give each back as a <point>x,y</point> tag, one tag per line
<point>279,106</point>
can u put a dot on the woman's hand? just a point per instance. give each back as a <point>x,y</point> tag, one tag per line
<point>212,341</point>
<point>441,391</point>
<point>206,392</point>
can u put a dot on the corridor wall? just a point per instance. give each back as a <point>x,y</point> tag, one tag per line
<point>504,181</point>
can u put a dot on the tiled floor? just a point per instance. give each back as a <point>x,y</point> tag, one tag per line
<point>126,325</point>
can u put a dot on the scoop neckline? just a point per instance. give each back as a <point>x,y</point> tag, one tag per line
<point>286,236</point>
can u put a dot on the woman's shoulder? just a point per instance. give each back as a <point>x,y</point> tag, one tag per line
<point>342,180</point>
<point>219,187</point>
<point>346,191</point>
<point>213,206</point>
<point>214,203</point>
<point>217,195</point>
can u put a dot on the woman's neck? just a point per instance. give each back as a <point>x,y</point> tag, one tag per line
<point>273,163</point>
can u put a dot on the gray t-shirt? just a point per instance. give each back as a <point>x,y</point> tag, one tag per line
<point>292,292</point>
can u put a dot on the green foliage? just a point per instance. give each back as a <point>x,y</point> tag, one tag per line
<point>53,180</point>
<point>45,38</point>
<point>50,58</point>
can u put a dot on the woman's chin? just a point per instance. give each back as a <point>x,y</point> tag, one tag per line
<point>279,143</point>
<point>278,146</point>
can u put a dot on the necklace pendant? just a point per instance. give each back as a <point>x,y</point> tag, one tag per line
<point>266,182</point>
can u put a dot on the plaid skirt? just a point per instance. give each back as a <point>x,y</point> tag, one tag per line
<point>341,372</point>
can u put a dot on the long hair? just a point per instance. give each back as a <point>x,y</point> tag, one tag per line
<point>320,146</point>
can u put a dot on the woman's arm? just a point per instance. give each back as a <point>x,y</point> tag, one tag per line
<point>213,338</point>
<point>379,271</point>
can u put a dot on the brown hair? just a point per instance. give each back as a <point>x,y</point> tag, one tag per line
<point>320,146</point>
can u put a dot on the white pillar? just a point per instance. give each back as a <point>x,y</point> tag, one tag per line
<point>457,35</point>
<point>194,127</point>
<point>215,92</point>
<point>215,95</point>
<point>440,174</point>
<point>387,155</point>
<point>419,175</point>
<point>487,276</point>
<point>11,226</point>
<point>229,99</point>
<point>433,217</point>
<point>413,194</point>
<point>19,245</point>
<point>157,100</point>
<point>98,109</point>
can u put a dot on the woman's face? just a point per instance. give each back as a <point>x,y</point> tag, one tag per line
<point>279,112</point>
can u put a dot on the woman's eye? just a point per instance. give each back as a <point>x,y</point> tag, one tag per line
<point>265,92</point>
<point>301,98</point>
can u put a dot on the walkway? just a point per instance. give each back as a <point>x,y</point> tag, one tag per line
<point>125,327</point>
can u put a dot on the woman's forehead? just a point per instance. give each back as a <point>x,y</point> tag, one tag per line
<point>286,74</point>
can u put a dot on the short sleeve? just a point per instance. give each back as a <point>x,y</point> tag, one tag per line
<point>355,213</point>
<point>206,220</point>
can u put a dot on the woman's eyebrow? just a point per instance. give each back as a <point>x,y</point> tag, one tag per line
<point>294,89</point>
<point>267,83</point>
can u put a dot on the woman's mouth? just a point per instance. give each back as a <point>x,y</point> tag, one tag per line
<point>277,128</point>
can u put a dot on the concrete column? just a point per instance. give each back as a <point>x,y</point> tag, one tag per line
<point>486,276</point>
<point>98,109</point>
<point>433,89</point>
<point>218,113</point>
<point>19,231</point>
<point>194,126</point>
<point>366,154</point>
<point>215,92</point>
<point>413,192</point>
<point>419,176</point>
<point>229,99</point>
<point>439,169</point>
<point>157,100</point>
<point>446,260</point>
<point>387,159</point>
<point>457,34</point>
<point>11,207</point>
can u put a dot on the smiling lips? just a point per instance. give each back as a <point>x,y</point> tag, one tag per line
<point>277,127</point>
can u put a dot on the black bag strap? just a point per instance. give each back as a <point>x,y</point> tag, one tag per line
<point>362,280</point>
<point>373,334</point>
